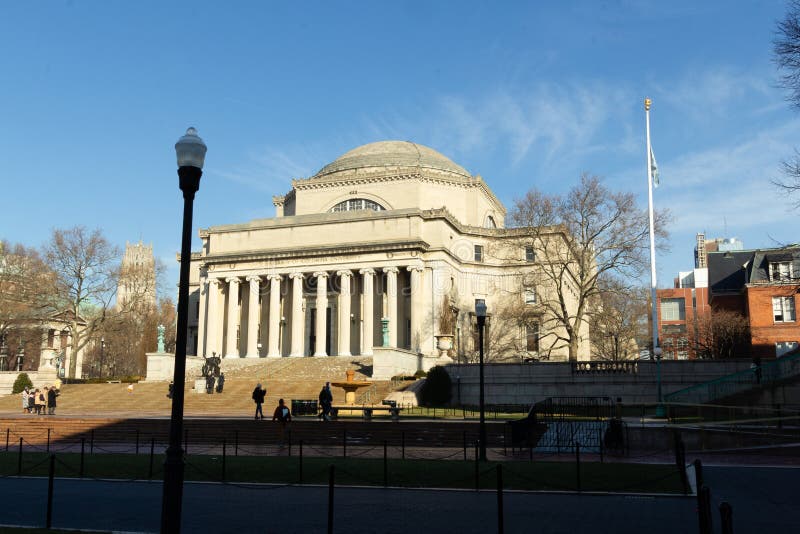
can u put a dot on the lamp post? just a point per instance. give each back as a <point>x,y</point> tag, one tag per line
<point>660,411</point>
<point>191,152</point>
<point>480,314</point>
<point>102,354</point>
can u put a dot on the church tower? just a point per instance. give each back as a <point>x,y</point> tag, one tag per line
<point>137,280</point>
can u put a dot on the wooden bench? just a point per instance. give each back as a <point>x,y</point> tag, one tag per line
<point>367,411</point>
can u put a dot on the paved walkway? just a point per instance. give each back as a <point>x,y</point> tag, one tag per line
<point>763,500</point>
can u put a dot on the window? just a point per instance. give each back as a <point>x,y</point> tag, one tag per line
<point>479,253</point>
<point>683,343</point>
<point>530,295</point>
<point>51,338</point>
<point>532,338</point>
<point>780,271</point>
<point>782,347</point>
<point>683,355</point>
<point>490,222</point>
<point>530,254</point>
<point>783,309</point>
<point>357,204</point>
<point>673,310</point>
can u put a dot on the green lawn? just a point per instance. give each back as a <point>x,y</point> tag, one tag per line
<point>522,475</point>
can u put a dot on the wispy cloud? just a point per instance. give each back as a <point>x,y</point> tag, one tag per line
<point>711,91</point>
<point>271,169</point>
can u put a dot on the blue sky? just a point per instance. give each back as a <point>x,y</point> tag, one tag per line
<point>93,96</point>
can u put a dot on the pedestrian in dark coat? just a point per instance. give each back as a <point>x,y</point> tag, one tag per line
<point>258,397</point>
<point>326,401</point>
<point>220,382</point>
<point>51,400</point>
<point>283,415</point>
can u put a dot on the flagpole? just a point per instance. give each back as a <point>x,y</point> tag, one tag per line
<point>656,353</point>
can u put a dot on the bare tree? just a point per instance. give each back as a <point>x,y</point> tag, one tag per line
<point>618,320</point>
<point>722,334</point>
<point>24,282</point>
<point>786,47</point>
<point>86,269</point>
<point>588,233</point>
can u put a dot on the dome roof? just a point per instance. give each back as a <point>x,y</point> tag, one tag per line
<point>392,154</point>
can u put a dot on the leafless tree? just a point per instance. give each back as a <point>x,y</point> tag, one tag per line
<point>588,233</point>
<point>86,268</point>
<point>786,47</point>
<point>618,320</point>
<point>24,283</point>
<point>722,334</point>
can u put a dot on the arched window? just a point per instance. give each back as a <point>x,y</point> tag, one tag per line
<point>355,204</point>
<point>490,222</point>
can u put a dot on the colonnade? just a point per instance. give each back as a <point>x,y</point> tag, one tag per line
<point>218,330</point>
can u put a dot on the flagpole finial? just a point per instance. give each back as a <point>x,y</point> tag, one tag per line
<point>647,103</point>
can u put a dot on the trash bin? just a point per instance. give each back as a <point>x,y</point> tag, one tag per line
<point>304,407</point>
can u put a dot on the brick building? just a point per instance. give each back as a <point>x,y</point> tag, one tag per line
<point>762,285</point>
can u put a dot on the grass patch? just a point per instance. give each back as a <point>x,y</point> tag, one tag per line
<point>521,475</point>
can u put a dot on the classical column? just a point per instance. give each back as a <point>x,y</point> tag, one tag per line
<point>344,312</point>
<point>416,306</point>
<point>232,350</point>
<point>202,317</point>
<point>322,306</point>
<point>212,321</point>
<point>297,315</point>
<point>252,318</point>
<point>367,299</point>
<point>274,350</point>
<point>391,303</point>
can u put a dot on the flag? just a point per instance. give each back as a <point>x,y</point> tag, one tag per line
<point>653,168</point>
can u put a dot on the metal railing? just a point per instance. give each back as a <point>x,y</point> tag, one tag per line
<point>766,374</point>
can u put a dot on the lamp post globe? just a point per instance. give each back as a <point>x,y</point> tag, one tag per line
<point>191,152</point>
<point>480,315</point>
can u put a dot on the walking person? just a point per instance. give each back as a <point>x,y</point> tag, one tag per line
<point>25,395</point>
<point>220,382</point>
<point>51,400</point>
<point>284,417</point>
<point>31,401</point>
<point>326,401</point>
<point>258,397</point>
<point>40,402</point>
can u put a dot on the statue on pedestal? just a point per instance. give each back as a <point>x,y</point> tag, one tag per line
<point>161,329</point>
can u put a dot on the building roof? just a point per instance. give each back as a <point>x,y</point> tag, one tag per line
<point>727,271</point>
<point>730,271</point>
<point>392,154</point>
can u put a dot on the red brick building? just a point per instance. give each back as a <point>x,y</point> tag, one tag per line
<point>680,312</point>
<point>762,285</point>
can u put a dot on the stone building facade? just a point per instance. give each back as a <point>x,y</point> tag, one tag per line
<point>367,255</point>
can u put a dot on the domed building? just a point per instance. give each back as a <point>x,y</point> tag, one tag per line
<point>383,252</point>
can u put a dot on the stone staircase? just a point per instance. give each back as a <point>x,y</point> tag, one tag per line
<point>290,379</point>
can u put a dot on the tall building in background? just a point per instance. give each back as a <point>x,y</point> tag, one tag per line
<point>137,279</point>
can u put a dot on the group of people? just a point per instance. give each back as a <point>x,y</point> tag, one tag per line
<point>282,414</point>
<point>220,380</point>
<point>40,401</point>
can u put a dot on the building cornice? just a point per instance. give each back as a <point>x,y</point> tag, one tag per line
<point>310,252</point>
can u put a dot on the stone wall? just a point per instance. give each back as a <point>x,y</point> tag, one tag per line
<point>634,381</point>
<point>39,379</point>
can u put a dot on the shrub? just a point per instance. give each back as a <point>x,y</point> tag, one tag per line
<point>436,389</point>
<point>22,381</point>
